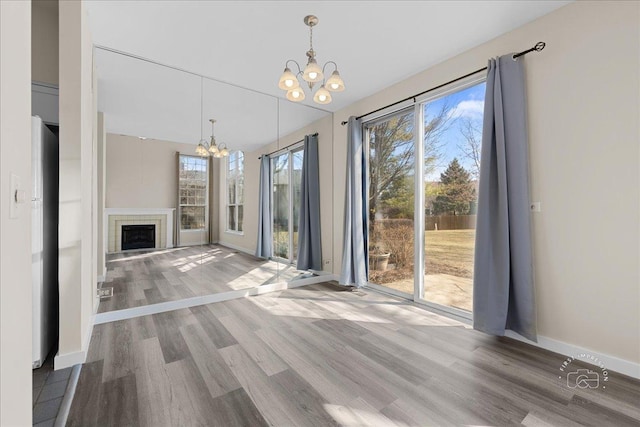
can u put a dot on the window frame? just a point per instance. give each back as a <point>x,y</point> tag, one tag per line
<point>238,158</point>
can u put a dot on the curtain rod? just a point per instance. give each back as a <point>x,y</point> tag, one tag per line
<point>284,148</point>
<point>537,48</point>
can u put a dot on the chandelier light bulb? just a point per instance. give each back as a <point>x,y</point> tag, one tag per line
<point>334,82</point>
<point>322,96</point>
<point>296,95</point>
<point>288,80</point>
<point>312,73</point>
<point>201,150</point>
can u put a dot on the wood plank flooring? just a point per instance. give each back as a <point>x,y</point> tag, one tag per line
<point>322,356</point>
<point>149,277</point>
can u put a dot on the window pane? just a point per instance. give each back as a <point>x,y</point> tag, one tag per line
<point>453,135</point>
<point>391,202</point>
<point>241,189</point>
<point>280,203</point>
<point>240,162</point>
<point>192,217</point>
<point>231,218</point>
<point>296,182</point>
<point>240,217</point>
<point>231,192</point>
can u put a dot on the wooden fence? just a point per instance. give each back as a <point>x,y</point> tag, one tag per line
<point>436,222</point>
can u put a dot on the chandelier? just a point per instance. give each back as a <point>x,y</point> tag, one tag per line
<point>311,74</point>
<point>205,148</point>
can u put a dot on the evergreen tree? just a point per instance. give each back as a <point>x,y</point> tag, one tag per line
<point>456,191</point>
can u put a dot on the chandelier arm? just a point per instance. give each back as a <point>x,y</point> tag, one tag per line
<point>297,65</point>
<point>323,70</point>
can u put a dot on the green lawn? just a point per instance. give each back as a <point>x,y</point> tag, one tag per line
<point>446,252</point>
<point>450,252</point>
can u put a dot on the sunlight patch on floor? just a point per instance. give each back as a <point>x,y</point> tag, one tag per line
<point>352,417</point>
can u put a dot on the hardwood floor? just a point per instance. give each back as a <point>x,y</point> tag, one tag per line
<point>321,356</point>
<point>149,277</point>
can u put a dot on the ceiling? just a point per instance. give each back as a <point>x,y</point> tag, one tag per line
<point>375,45</point>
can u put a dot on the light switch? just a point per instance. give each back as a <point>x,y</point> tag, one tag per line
<point>535,206</point>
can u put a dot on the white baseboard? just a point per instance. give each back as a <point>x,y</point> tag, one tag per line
<point>62,361</point>
<point>67,360</point>
<point>129,313</point>
<point>612,363</point>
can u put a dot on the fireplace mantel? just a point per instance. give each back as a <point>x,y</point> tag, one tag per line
<point>115,218</point>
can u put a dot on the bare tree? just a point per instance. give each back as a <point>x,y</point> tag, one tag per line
<point>471,131</point>
<point>391,153</point>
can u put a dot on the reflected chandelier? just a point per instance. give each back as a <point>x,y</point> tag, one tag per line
<point>205,148</point>
<point>312,74</point>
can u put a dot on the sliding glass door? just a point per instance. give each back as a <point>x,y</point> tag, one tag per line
<point>426,158</point>
<point>286,170</point>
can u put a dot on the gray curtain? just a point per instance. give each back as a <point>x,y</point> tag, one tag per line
<point>264,209</point>
<point>355,247</point>
<point>503,292</point>
<point>309,245</point>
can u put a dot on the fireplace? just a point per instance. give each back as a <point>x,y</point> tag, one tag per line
<point>138,236</point>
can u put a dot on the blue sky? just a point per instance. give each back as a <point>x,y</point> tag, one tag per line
<point>468,103</point>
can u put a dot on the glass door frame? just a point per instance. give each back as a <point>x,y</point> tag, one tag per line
<point>366,127</point>
<point>289,152</point>
<point>419,196</point>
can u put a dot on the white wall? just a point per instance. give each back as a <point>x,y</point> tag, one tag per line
<point>44,41</point>
<point>15,234</point>
<point>584,152</point>
<point>77,163</point>
<point>142,173</point>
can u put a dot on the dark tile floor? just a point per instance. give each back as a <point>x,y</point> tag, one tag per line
<point>49,387</point>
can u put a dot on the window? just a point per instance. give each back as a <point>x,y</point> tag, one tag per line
<point>192,188</point>
<point>235,191</point>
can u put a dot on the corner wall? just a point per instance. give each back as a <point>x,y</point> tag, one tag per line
<point>77,163</point>
<point>15,233</point>
<point>584,121</point>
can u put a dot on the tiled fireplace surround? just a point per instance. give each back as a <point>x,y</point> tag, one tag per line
<point>115,218</point>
